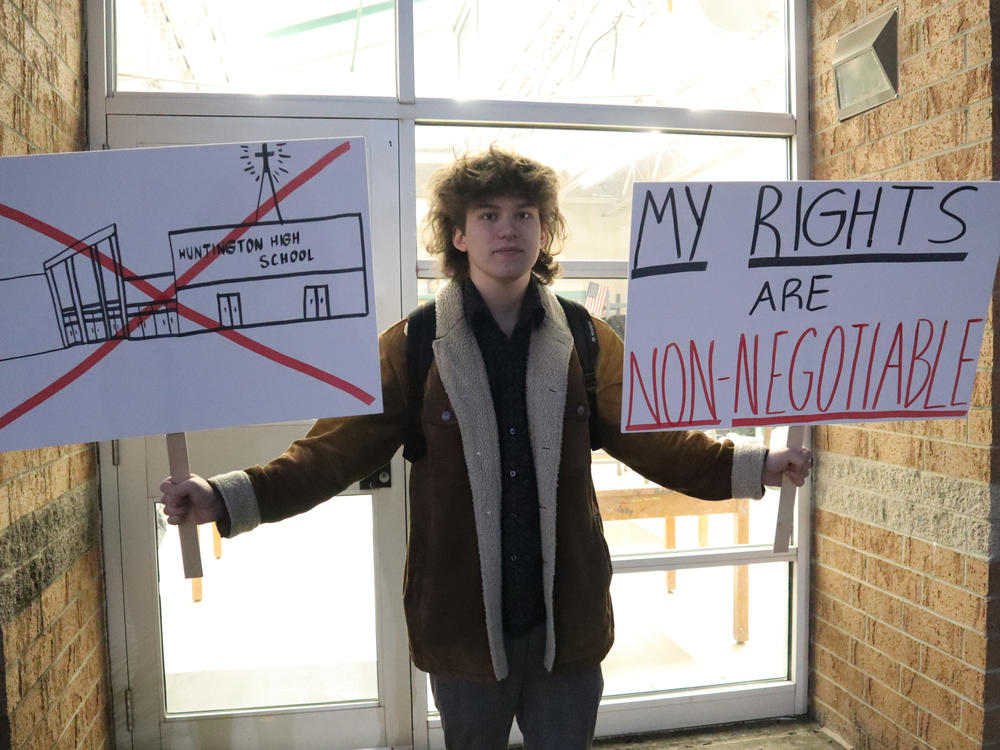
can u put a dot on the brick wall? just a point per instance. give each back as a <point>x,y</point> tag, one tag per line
<point>53,663</point>
<point>904,578</point>
<point>42,82</point>
<point>52,630</point>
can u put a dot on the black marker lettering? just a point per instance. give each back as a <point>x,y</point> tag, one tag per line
<point>699,218</point>
<point>789,290</point>
<point>761,219</point>
<point>764,295</point>
<point>906,210</point>
<point>855,213</point>
<point>956,217</point>
<point>840,213</point>
<point>813,291</point>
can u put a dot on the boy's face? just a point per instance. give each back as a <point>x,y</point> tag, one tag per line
<point>502,238</point>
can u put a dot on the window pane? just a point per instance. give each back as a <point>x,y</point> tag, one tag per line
<point>708,54</point>
<point>641,517</point>
<point>604,298</point>
<point>272,627</point>
<point>718,626</point>
<point>597,169</point>
<point>256,47</point>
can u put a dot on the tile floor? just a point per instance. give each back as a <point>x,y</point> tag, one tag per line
<point>790,734</point>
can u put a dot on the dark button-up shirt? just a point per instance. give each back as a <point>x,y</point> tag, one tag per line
<point>506,361</point>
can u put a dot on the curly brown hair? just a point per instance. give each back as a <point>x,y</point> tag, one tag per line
<point>478,176</point>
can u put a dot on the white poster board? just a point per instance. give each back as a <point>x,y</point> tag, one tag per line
<point>791,303</point>
<point>172,289</point>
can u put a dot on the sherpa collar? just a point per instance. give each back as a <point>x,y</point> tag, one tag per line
<point>464,377</point>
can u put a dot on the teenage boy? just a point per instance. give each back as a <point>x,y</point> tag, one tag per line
<point>507,579</point>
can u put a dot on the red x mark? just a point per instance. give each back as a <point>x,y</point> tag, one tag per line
<point>158,297</point>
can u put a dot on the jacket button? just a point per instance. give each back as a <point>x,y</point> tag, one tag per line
<point>445,415</point>
<point>581,410</point>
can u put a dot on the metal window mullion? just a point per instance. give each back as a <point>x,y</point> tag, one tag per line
<point>701,559</point>
<point>101,66</point>
<point>405,75</point>
<point>248,105</point>
<point>578,268</point>
<point>561,114</point>
<point>408,228</point>
<point>570,269</point>
<point>797,42</point>
<point>456,112</point>
<point>740,691</point>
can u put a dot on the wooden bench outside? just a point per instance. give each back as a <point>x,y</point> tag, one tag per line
<point>651,501</point>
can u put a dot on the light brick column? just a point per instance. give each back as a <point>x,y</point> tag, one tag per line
<point>904,636</point>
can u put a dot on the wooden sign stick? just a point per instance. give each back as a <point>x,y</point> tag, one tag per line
<point>786,504</point>
<point>177,455</point>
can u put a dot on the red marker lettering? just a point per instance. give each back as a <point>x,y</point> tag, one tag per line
<point>822,369</point>
<point>962,359</point>
<point>871,362</point>
<point>791,372</point>
<point>895,346</point>
<point>915,357</point>
<point>854,364</point>
<point>774,375</point>
<point>937,358</point>
<point>743,368</point>
<point>663,383</point>
<point>634,376</point>
<point>707,387</point>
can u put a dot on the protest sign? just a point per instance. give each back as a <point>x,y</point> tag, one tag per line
<point>806,302</point>
<point>171,289</point>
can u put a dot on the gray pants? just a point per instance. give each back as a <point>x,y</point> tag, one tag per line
<point>555,711</point>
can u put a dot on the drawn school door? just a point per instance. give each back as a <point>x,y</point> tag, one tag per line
<point>230,310</point>
<point>298,639</point>
<point>317,302</point>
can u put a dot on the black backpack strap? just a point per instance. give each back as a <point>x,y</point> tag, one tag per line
<point>587,349</point>
<point>421,325</point>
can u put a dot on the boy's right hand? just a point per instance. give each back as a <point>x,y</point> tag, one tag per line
<point>193,496</point>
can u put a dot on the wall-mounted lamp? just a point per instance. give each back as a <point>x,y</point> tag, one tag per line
<point>865,66</point>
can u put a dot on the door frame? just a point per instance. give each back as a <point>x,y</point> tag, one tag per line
<point>138,699</point>
<point>618,715</point>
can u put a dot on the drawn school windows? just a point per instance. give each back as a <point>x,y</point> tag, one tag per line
<point>67,310</point>
<point>162,321</point>
<point>86,290</point>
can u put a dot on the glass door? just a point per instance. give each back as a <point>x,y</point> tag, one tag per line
<point>707,618</point>
<point>295,635</point>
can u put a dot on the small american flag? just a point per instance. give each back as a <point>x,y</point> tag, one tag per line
<point>597,299</point>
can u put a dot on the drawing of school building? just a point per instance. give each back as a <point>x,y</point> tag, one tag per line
<point>270,272</point>
<point>220,277</point>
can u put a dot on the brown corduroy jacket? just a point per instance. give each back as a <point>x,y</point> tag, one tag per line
<point>452,581</point>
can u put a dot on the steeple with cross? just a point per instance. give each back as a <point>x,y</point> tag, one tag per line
<point>264,155</point>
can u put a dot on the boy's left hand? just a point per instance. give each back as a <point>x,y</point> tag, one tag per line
<point>793,463</point>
